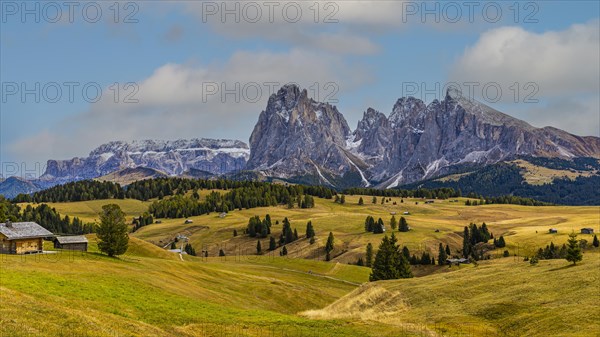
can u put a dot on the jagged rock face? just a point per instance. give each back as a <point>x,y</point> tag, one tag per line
<point>427,140</point>
<point>170,157</point>
<point>296,136</point>
<point>373,135</point>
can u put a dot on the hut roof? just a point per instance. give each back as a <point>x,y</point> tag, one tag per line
<point>71,239</point>
<point>23,230</point>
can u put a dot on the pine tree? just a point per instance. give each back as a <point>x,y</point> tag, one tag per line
<point>221,252</point>
<point>258,248</point>
<point>272,244</point>
<point>442,257</point>
<point>374,200</point>
<point>343,199</point>
<point>382,266</point>
<point>466,243</point>
<point>403,225</point>
<point>595,243</point>
<point>112,231</point>
<point>360,262</point>
<point>406,252</point>
<point>403,267</point>
<point>361,201</point>
<point>330,243</point>
<point>389,262</point>
<point>369,255</point>
<point>288,234</point>
<point>379,227</point>
<point>501,243</point>
<point>252,227</point>
<point>235,233</point>
<point>393,223</point>
<point>173,245</point>
<point>283,251</point>
<point>447,251</point>
<point>295,234</point>
<point>312,240</point>
<point>573,249</point>
<point>310,231</point>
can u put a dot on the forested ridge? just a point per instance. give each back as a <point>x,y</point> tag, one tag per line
<point>498,181</point>
<point>45,216</point>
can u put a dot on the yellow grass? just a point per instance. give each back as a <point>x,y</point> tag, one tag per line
<point>88,210</point>
<point>539,175</point>
<point>524,228</point>
<point>152,292</point>
<point>501,296</point>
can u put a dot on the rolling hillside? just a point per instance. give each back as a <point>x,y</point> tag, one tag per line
<point>242,294</point>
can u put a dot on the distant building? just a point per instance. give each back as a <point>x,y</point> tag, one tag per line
<point>457,261</point>
<point>222,215</point>
<point>406,213</point>
<point>393,213</point>
<point>188,221</point>
<point>79,242</point>
<point>22,237</point>
<point>553,231</point>
<point>587,231</point>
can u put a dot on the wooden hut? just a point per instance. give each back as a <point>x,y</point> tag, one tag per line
<point>78,242</point>
<point>22,237</point>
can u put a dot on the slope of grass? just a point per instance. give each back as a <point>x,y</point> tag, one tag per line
<point>88,211</point>
<point>504,296</point>
<point>539,175</point>
<point>525,228</point>
<point>149,291</point>
<point>142,294</point>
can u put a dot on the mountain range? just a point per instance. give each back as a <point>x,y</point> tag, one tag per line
<point>300,140</point>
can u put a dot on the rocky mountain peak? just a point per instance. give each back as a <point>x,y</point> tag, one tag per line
<point>407,110</point>
<point>296,136</point>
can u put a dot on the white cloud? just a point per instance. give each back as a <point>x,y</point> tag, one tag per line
<point>335,26</point>
<point>579,115</point>
<point>563,65</point>
<point>559,62</point>
<point>172,105</point>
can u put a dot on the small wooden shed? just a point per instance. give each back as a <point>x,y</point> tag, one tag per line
<point>22,237</point>
<point>78,242</point>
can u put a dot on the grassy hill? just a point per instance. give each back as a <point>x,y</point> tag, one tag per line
<point>88,211</point>
<point>517,223</point>
<point>149,291</point>
<point>500,297</point>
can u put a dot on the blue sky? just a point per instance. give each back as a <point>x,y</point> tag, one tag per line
<point>174,52</point>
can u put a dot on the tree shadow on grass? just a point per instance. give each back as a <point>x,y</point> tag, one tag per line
<point>563,267</point>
